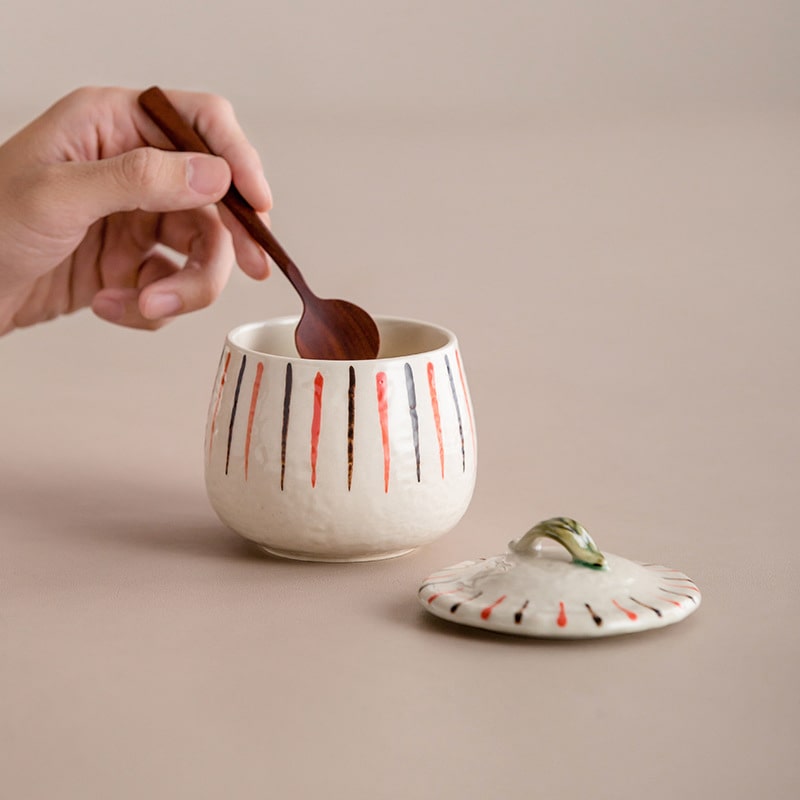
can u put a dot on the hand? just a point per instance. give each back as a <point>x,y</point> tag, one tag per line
<point>88,206</point>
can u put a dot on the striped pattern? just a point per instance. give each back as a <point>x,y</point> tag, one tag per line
<point>436,373</point>
<point>458,585</point>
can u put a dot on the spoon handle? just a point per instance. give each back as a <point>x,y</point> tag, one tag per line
<point>184,137</point>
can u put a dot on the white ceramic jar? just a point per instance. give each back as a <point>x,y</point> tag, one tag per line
<point>338,460</point>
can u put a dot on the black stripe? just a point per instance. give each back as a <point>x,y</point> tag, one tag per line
<point>644,605</point>
<point>455,606</point>
<point>351,425</point>
<point>233,411</point>
<point>287,396</point>
<point>597,619</point>
<point>680,594</point>
<point>458,413</point>
<point>412,408</point>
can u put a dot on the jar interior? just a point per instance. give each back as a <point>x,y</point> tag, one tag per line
<point>399,337</point>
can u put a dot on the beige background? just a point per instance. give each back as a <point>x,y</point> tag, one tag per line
<point>601,199</point>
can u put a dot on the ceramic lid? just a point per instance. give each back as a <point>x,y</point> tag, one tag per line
<point>574,592</point>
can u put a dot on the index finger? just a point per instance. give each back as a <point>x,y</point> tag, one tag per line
<point>214,119</point>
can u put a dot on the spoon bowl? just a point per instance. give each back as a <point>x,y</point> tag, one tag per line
<point>336,330</point>
<point>328,329</point>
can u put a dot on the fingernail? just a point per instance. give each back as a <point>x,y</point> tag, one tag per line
<point>260,271</point>
<point>208,174</point>
<point>269,192</point>
<point>158,306</point>
<point>108,309</point>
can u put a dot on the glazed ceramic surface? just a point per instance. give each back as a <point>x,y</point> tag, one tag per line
<point>535,591</point>
<point>337,460</point>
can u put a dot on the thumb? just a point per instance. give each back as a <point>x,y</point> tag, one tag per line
<point>146,178</point>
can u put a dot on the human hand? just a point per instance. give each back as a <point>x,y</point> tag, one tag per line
<point>88,206</point>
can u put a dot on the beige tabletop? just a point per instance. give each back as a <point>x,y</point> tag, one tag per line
<point>624,287</point>
<point>625,297</point>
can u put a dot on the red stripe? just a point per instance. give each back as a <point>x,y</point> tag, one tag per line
<point>315,426</point>
<point>436,416</point>
<point>253,401</point>
<point>562,616</point>
<point>219,399</point>
<point>383,412</point>
<point>439,594</point>
<point>487,612</point>
<point>630,614</point>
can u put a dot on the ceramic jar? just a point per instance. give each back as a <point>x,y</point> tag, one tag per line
<point>338,460</point>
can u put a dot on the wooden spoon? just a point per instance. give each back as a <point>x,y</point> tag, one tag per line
<point>328,329</point>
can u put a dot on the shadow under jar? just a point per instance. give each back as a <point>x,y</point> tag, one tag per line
<point>337,460</point>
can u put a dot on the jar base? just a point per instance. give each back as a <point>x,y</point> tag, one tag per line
<point>300,556</point>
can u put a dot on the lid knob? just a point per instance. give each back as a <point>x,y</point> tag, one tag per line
<point>568,533</point>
